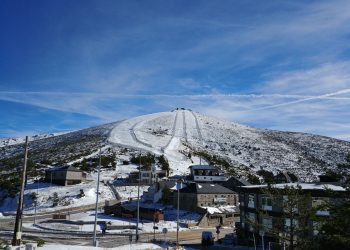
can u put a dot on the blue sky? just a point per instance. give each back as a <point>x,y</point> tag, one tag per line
<point>272,64</point>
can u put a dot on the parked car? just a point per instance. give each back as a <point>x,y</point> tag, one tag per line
<point>229,239</point>
<point>207,238</point>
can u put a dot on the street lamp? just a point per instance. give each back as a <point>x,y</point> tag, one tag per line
<point>94,242</point>
<point>138,204</point>
<point>36,198</point>
<point>178,187</point>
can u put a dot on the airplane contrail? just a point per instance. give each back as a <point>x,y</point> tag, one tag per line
<point>92,94</point>
<point>324,96</point>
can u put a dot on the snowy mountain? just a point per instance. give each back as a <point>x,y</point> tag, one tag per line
<point>182,135</point>
<point>19,140</point>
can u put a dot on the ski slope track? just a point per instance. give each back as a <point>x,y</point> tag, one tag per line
<point>161,133</point>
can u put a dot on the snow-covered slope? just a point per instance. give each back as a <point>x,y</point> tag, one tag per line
<point>161,133</point>
<point>14,141</point>
<point>306,155</point>
<point>244,147</point>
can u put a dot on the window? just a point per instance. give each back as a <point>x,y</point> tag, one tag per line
<point>267,223</point>
<point>251,218</point>
<point>266,203</point>
<point>287,206</point>
<point>288,224</point>
<point>319,201</point>
<point>241,199</point>
<point>316,225</point>
<point>251,201</point>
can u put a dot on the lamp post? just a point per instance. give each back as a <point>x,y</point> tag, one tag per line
<point>179,185</point>
<point>138,203</point>
<point>94,242</point>
<point>36,198</point>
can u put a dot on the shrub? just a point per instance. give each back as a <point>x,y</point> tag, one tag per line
<point>40,242</point>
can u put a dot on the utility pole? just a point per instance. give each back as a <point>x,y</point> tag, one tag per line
<point>138,203</point>
<point>17,234</point>
<point>94,242</point>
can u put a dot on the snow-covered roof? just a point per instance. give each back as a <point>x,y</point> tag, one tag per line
<point>304,186</point>
<point>221,209</point>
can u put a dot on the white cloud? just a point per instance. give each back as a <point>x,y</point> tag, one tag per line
<point>327,78</point>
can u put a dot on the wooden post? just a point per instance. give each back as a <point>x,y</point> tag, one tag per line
<point>17,234</point>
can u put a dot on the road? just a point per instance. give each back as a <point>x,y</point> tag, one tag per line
<point>189,237</point>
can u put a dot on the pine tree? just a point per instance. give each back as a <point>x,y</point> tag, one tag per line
<point>164,163</point>
<point>55,199</point>
<point>335,228</point>
<point>291,227</point>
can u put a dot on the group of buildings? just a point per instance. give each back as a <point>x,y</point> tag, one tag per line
<point>219,199</point>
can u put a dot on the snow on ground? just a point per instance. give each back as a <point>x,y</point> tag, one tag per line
<point>169,223</point>
<point>104,148</point>
<point>122,132</point>
<point>69,195</point>
<point>157,130</point>
<point>124,170</point>
<point>127,192</point>
<point>18,140</point>
<point>138,246</point>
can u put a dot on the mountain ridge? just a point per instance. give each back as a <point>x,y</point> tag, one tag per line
<point>180,132</point>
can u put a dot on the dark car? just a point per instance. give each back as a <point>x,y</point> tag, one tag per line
<point>207,238</point>
<point>229,239</point>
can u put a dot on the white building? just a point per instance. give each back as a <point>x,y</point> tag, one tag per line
<point>207,173</point>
